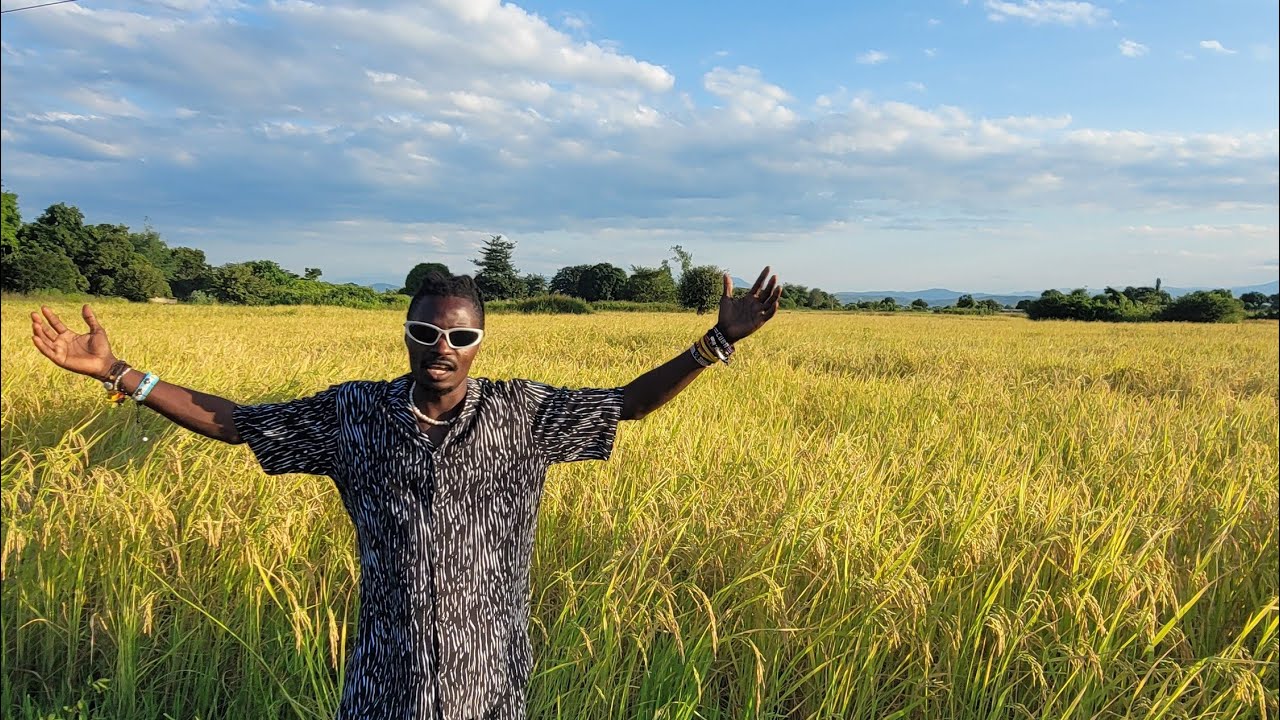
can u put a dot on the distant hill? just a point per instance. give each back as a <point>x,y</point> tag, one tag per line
<point>1269,288</point>
<point>933,296</point>
<point>943,296</point>
<point>383,287</point>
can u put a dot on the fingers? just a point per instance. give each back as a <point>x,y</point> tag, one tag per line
<point>755,287</point>
<point>771,305</point>
<point>43,346</point>
<point>90,319</point>
<point>768,289</point>
<point>54,322</point>
<point>728,286</point>
<point>40,330</point>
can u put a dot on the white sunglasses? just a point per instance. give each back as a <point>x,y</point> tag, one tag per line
<point>428,334</point>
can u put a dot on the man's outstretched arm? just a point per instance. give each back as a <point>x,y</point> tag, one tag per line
<point>739,317</point>
<point>90,354</point>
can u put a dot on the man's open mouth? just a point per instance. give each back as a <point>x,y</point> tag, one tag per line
<point>437,370</point>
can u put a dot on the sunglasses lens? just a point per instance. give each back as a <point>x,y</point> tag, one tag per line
<point>423,334</point>
<point>463,337</point>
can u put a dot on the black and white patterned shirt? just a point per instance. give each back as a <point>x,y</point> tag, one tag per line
<point>444,533</point>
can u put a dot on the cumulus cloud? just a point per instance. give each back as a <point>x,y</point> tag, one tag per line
<point>1131,48</point>
<point>872,57</point>
<point>390,129</point>
<point>1046,12</point>
<point>1215,46</point>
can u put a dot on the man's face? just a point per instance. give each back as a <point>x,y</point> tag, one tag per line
<point>440,368</point>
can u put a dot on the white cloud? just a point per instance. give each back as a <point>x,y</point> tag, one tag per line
<point>916,85</point>
<point>751,100</point>
<point>931,52</point>
<point>437,121</point>
<point>872,57</point>
<point>1215,46</point>
<point>1131,48</point>
<point>1046,12</point>
<point>934,22</point>
<point>575,22</point>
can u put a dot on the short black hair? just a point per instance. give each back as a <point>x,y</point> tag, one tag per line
<point>436,284</point>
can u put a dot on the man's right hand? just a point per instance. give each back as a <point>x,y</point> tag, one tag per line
<point>87,354</point>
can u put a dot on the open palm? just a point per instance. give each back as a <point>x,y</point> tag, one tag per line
<point>741,316</point>
<point>87,354</point>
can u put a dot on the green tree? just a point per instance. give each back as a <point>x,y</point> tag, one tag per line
<point>683,257</point>
<point>797,294</point>
<point>1208,306</point>
<point>701,287</point>
<point>271,272</point>
<point>568,280</point>
<point>10,224</point>
<point>413,280</point>
<point>190,272</point>
<point>312,273</point>
<point>31,269</point>
<point>602,281</point>
<point>139,281</point>
<point>151,246</point>
<point>965,301</point>
<point>889,303</point>
<point>497,276</point>
<point>238,283</point>
<point>534,284</point>
<point>60,228</point>
<point>650,285</point>
<point>919,304</point>
<point>112,252</point>
<point>990,305</point>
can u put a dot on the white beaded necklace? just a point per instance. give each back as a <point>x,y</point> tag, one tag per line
<point>421,415</point>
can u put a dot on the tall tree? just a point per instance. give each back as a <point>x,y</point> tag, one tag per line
<point>190,272</point>
<point>497,276</point>
<point>413,280</point>
<point>151,246</point>
<point>602,281</point>
<point>60,228</point>
<point>534,284</point>
<point>648,284</point>
<point>312,273</point>
<point>684,257</point>
<point>108,254</point>
<point>701,287</point>
<point>11,220</point>
<point>568,280</point>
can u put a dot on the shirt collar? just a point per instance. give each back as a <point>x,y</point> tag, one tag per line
<point>398,403</point>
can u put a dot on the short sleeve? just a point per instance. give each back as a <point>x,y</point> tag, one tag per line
<point>298,436</point>
<point>571,425</point>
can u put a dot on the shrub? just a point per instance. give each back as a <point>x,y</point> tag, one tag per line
<point>548,304</point>
<point>629,306</point>
<point>1214,306</point>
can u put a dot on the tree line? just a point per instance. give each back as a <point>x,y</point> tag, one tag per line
<point>1147,304</point>
<point>59,251</point>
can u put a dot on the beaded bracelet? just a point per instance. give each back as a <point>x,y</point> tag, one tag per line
<point>112,383</point>
<point>145,387</point>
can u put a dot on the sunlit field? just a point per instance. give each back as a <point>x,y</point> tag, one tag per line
<point>903,516</point>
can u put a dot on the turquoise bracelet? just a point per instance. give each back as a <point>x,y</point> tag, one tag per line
<point>145,387</point>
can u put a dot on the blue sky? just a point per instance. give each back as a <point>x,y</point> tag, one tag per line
<point>989,145</point>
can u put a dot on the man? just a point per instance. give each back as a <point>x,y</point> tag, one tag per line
<point>441,473</point>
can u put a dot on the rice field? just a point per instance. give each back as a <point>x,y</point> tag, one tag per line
<point>904,516</point>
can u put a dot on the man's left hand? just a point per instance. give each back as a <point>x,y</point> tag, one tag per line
<point>741,316</point>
